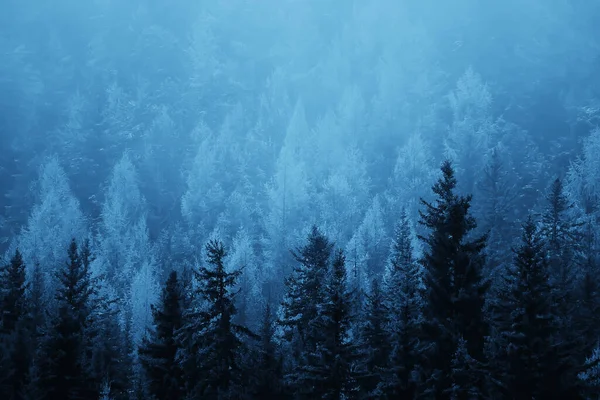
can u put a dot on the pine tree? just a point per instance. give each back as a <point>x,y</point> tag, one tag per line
<point>466,375</point>
<point>404,302</point>
<point>532,362</point>
<point>269,368</point>
<point>300,307</point>
<point>66,373</point>
<point>329,372</point>
<point>158,352</point>
<point>563,238</point>
<point>15,342</point>
<point>455,290</point>
<point>374,341</point>
<point>215,346</point>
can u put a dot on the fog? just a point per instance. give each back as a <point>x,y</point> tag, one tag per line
<point>150,127</point>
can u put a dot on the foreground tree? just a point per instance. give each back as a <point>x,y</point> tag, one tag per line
<point>15,343</point>
<point>67,348</point>
<point>404,302</point>
<point>455,290</point>
<point>158,352</point>
<point>214,346</point>
<point>532,363</point>
<point>300,307</point>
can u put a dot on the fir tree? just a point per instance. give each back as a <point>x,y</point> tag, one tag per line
<point>15,342</point>
<point>374,341</point>
<point>215,345</point>
<point>66,372</point>
<point>158,352</point>
<point>300,308</point>
<point>269,368</point>
<point>466,375</point>
<point>455,290</point>
<point>532,362</point>
<point>404,302</point>
<point>330,373</point>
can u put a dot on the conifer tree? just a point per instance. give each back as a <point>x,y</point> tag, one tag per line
<point>269,368</point>
<point>404,302</point>
<point>158,352</point>
<point>532,363</point>
<point>300,307</point>
<point>15,343</point>
<point>215,346</point>
<point>330,371</point>
<point>563,238</point>
<point>66,372</point>
<point>455,290</point>
<point>374,341</point>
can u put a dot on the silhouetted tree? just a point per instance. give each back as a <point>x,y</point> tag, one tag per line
<point>455,290</point>
<point>158,352</point>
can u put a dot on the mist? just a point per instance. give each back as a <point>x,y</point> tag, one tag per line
<point>150,129</point>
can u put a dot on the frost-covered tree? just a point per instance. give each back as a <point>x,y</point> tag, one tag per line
<point>123,241</point>
<point>472,131</point>
<point>54,221</point>
<point>144,291</point>
<point>413,173</point>
<point>367,248</point>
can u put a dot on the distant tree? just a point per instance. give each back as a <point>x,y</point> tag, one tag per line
<point>158,352</point>
<point>55,219</point>
<point>454,287</point>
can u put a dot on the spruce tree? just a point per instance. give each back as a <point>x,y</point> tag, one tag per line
<point>213,355</point>
<point>300,307</point>
<point>563,238</point>
<point>404,302</point>
<point>374,342</point>
<point>329,372</point>
<point>15,339</point>
<point>455,290</point>
<point>269,366</point>
<point>158,352</point>
<point>66,372</point>
<point>532,364</point>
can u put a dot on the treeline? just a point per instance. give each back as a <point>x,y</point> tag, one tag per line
<point>433,326</point>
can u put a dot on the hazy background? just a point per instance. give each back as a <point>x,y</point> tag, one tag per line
<point>150,126</point>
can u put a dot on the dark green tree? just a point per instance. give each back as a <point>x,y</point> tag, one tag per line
<point>532,364</point>
<point>404,301</point>
<point>67,348</point>
<point>213,357</point>
<point>304,294</point>
<point>269,368</point>
<point>330,370</point>
<point>375,345</point>
<point>15,339</point>
<point>158,352</point>
<point>455,290</point>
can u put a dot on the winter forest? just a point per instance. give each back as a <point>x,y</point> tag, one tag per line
<point>299,199</point>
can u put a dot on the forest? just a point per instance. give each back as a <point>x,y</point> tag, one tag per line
<point>299,199</point>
